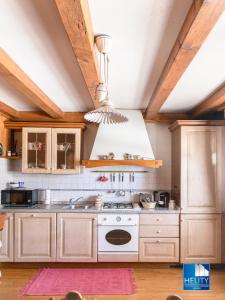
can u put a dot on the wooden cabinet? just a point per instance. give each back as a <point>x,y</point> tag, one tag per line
<point>159,238</point>
<point>36,150</point>
<point>159,250</point>
<point>6,236</point>
<point>76,237</point>
<point>66,150</point>
<point>46,150</point>
<point>35,237</point>
<point>201,238</point>
<point>197,172</point>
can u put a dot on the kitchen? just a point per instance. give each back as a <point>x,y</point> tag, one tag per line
<point>144,196</point>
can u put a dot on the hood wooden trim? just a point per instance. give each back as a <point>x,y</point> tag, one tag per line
<point>141,163</point>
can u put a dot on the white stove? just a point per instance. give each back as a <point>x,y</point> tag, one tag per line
<point>118,233</point>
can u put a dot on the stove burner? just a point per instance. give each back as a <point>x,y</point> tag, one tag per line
<point>112,205</point>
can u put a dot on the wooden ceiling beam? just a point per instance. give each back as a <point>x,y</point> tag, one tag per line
<point>18,79</point>
<point>201,18</point>
<point>39,116</point>
<point>215,101</point>
<point>76,19</point>
<point>168,118</point>
<point>78,117</point>
<point>7,110</point>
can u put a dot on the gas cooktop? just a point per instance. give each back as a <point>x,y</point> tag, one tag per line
<point>120,205</point>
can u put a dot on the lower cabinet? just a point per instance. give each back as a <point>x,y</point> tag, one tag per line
<point>159,238</point>
<point>35,237</point>
<point>200,238</point>
<point>159,250</point>
<point>6,236</point>
<point>76,237</point>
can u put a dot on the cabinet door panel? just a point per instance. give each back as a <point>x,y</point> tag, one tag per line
<point>76,237</point>
<point>159,250</point>
<point>200,173</point>
<point>35,237</point>
<point>6,236</point>
<point>36,150</point>
<point>200,238</point>
<point>66,144</point>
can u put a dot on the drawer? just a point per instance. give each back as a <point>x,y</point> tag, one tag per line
<point>159,231</point>
<point>159,250</point>
<point>159,219</point>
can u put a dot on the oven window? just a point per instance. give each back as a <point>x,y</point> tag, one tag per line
<point>118,237</point>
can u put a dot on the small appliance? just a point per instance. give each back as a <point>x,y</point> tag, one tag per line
<point>19,197</point>
<point>162,198</point>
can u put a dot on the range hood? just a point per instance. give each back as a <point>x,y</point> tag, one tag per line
<point>130,137</point>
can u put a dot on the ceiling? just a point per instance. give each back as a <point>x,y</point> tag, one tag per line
<point>143,32</point>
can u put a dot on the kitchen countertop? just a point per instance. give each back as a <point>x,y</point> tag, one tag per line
<point>58,208</point>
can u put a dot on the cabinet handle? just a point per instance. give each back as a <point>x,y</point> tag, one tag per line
<point>158,231</point>
<point>157,220</point>
<point>158,241</point>
<point>33,215</point>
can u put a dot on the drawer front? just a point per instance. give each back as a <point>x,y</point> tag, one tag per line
<point>159,250</point>
<point>159,219</point>
<point>159,231</point>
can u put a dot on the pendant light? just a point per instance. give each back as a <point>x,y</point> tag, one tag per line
<point>106,113</point>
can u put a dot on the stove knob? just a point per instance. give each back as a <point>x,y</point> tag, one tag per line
<point>129,219</point>
<point>104,219</point>
<point>118,219</point>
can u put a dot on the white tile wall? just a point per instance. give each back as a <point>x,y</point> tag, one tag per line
<point>156,179</point>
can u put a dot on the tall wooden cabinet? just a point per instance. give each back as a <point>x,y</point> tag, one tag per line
<point>76,237</point>
<point>197,173</point>
<point>6,236</point>
<point>35,237</point>
<point>198,188</point>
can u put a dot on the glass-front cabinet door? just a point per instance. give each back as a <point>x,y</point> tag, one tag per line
<point>66,150</point>
<point>36,150</point>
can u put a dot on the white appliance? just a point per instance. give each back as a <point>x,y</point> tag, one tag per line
<point>118,234</point>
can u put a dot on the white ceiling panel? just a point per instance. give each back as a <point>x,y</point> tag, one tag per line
<point>205,73</point>
<point>143,33</point>
<point>32,34</point>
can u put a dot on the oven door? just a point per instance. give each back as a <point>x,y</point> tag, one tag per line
<point>117,238</point>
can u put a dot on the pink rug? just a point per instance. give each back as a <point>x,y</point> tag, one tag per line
<point>86,281</point>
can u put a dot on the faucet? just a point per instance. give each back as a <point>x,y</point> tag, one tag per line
<point>72,201</point>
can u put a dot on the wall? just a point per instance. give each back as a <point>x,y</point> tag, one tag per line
<point>75,185</point>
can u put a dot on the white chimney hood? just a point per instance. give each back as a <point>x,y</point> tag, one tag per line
<point>130,137</point>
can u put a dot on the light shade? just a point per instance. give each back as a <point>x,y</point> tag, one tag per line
<point>105,114</point>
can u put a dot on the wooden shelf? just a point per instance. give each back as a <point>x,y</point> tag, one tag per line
<point>141,163</point>
<point>11,157</point>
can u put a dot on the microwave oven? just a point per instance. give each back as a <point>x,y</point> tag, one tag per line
<point>19,197</point>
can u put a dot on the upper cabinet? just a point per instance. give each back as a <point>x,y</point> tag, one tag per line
<point>36,150</point>
<point>66,150</point>
<point>197,172</point>
<point>46,150</point>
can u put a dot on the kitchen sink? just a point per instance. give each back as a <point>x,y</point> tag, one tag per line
<point>76,206</point>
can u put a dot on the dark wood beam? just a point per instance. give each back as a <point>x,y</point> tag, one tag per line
<point>167,117</point>
<point>19,79</point>
<point>77,23</point>
<point>7,110</point>
<point>200,20</point>
<point>215,101</point>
